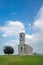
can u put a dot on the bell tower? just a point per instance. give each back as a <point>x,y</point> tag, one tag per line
<point>21,43</point>
<point>22,38</point>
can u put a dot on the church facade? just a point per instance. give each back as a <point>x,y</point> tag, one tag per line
<point>24,49</point>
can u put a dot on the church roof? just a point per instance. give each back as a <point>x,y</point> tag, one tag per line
<point>28,46</point>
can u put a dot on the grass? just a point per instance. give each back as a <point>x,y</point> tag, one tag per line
<point>21,60</point>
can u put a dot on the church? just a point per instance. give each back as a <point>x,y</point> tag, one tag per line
<point>24,49</point>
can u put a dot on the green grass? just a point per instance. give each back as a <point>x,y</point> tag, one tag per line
<point>21,60</point>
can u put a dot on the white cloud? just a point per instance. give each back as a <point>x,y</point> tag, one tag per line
<point>12,43</point>
<point>12,28</point>
<point>37,37</point>
<point>38,24</point>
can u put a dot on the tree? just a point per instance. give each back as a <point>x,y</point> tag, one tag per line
<point>8,50</point>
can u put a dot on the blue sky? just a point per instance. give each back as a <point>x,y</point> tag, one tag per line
<point>21,15</point>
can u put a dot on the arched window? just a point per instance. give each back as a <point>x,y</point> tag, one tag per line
<point>21,48</point>
<point>21,36</point>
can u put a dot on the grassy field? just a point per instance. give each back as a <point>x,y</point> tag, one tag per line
<point>21,60</point>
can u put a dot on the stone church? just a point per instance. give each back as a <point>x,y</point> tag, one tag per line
<point>24,49</point>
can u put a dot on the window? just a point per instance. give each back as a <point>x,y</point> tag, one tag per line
<point>21,36</point>
<point>21,48</point>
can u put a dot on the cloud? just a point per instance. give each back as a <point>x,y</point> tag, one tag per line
<point>12,28</point>
<point>36,39</point>
<point>38,24</point>
<point>12,43</point>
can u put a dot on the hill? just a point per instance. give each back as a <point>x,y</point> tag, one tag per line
<point>21,60</point>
